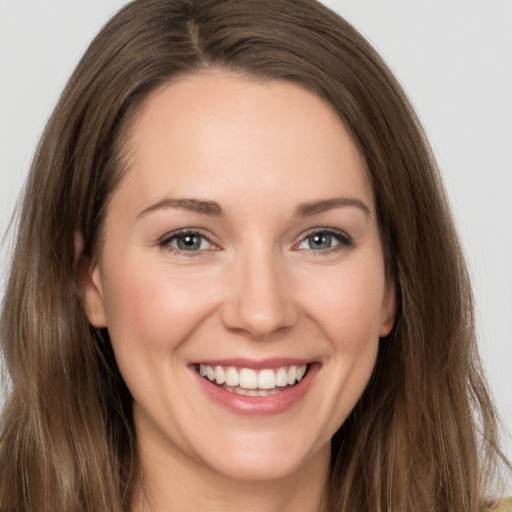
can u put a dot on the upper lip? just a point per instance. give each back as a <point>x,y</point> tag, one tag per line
<point>255,364</point>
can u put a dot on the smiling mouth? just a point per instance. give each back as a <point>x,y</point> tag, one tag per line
<point>250,382</point>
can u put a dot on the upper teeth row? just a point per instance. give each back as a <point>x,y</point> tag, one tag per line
<point>251,379</point>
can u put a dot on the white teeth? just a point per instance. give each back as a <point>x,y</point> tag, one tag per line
<point>232,378</point>
<point>256,383</point>
<point>252,392</point>
<point>281,377</point>
<point>248,379</point>
<point>210,372</point>
<point>267,379</point>
<point>220,375</point>
<point>292,375</point>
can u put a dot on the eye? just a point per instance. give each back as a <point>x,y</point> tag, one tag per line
<point>186,242</point>
<point>325,240</point>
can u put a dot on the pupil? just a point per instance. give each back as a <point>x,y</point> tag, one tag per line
<point>188,242</point>
<point>320,241</point>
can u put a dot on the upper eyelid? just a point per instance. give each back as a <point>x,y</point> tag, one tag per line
<point>165,241</point>
<point>184,232</point>
<point>338,233</point>
<point>345,241</point>
<point>331,231</point>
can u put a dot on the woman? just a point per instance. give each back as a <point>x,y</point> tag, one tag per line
<point>236,284</point>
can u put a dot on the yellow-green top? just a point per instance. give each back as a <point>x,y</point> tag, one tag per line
<point>504,505</point>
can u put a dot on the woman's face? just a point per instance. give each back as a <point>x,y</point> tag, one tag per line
<point>242,243</point>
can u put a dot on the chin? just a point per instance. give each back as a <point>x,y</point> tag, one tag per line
<point>265,458</point>
<point>265,467</point>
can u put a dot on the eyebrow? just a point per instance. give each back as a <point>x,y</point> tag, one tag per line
<point>315,207</point>
<point>213,209</point>
<point>209,208</point>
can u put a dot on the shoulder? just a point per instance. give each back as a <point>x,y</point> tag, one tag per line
<point>504,505</point>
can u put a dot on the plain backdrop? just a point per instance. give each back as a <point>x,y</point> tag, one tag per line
<point>454,59</point>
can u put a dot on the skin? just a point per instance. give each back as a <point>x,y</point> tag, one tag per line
<point>256,288</point>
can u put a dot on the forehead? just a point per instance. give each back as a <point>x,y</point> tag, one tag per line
<point>222,135</point>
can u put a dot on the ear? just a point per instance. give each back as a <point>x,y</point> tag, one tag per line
<point>388,311</point>
<point>90,285</point>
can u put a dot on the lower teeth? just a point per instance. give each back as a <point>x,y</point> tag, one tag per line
<point>251,392</point>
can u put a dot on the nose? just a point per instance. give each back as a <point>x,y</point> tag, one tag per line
<point>260,301</point>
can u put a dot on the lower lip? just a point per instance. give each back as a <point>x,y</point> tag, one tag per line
<point>259,405</point>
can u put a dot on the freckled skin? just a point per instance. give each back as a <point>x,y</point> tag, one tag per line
<point>256,288</point>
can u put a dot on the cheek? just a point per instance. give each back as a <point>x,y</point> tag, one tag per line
<point>347,304</point>
<point>155,309</point>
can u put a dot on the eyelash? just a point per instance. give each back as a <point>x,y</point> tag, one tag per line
<point>165,242</point>
<point>344,241</point>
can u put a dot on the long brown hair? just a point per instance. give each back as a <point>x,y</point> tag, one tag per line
<point>423,435</point>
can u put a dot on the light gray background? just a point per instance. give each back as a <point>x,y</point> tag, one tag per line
<point>454,59</point>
